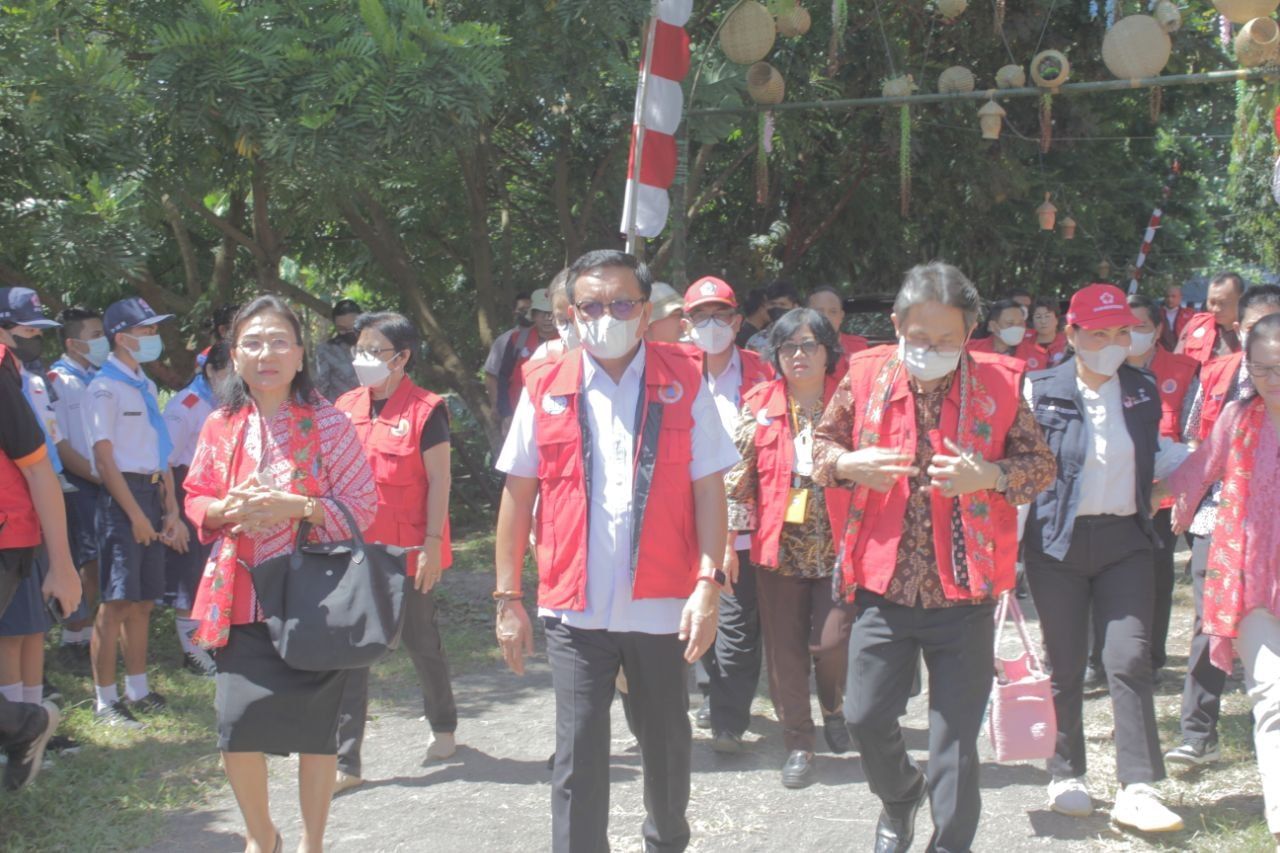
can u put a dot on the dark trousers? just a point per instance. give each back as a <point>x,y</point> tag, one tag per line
<point>801,623</point>
<point>421,639</point>
<point>1162,559</point>
<point>732,663</point>
<point>1202,692</point>
<point>19,721</point>
<point>1107,572</point>
<point>584,668</point>
<point>884,646</point>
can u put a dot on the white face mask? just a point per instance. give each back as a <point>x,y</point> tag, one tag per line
<point>712,338</point>
<point>569,334</point>
<point>371,371</point>
<point>608,337</point>
<point>1013,335</point>
<point>1140,343</point>
<point>926,364</point>
<point>1105,361</point>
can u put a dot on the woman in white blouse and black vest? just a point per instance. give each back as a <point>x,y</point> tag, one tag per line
<point>1088,548</point>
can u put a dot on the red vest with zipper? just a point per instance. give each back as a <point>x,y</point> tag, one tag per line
<point>1215,382</point>
<point>754,368</point>
<point>19,525</point>
<point>849,344</point>
<point>392,444</point>
<point>1028,351</point>
<point>667,563</point>
<point>1174,374</point>
<point>1199,337</point>
<point>775,455</point>
<point>872,559</point>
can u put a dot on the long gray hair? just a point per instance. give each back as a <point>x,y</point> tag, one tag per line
<point>938,281</point>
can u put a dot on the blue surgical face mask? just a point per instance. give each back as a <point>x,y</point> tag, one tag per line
<point>99,349</point>
<point>149,348</point>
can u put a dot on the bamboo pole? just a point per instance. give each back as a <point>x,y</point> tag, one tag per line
<point>642,89</point>
<point>1205,77</point>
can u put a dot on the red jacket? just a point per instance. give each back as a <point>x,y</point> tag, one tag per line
<point>850,344</point>
<point>665,562</point>
<point>775,454</point>
<point>1215,382</point>
<point>391,442</point>
<point>1198,338</point>
<point>1029,352</point>
<point>871,560</point>
<point>520,357</point>
<point>754,368</point>
<point>19,525</point>
<point>1174,375</point>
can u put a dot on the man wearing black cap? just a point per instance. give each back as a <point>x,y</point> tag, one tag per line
<point>334,374</point>
<point>138,512</point>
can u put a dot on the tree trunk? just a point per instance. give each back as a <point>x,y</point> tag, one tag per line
<point>475,175</point>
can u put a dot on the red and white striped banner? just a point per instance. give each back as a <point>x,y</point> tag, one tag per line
<point>1153,226</point>
<point>651,166</point>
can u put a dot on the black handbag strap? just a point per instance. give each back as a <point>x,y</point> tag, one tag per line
<point>356,540</point>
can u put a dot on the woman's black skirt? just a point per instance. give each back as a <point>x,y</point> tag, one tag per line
<point>265,705</point>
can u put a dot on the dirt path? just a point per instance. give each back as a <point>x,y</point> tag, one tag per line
<point>494,795</point>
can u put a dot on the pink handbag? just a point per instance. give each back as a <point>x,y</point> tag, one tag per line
<point>1020,721</point>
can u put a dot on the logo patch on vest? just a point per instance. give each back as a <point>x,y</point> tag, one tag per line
<point>987,405</point>
<point>1169,386</point>
<point>1199,333</point>
<point>672,393</point>
<point>554,405</point>
<point>1033,362</point>
<point>401,429</point>
<point>763,419</point>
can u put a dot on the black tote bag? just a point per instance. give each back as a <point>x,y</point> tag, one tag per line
<point>337,605</point>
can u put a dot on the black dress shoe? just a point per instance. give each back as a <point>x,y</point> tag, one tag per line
<point>897,827</point>
<point>798,771</point>
<point>836,732</point>
<point>702,716</point>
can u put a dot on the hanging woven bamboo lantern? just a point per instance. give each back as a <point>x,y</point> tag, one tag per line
<point>1135,47</point>
<point>1244,11</point>
<point>1068,226</point>
<point>765,84</point>
<point>1050,69</point>
<point>794,22</point>
<point>991,118</point>
<point>1258,43</point>
<point>1011,77</point>
<point>1169,15</point>
<point>1047,214</point>
<point>899,87</point>
<point>957,78</point>
<point>952,9</point>
<point>748,34</point>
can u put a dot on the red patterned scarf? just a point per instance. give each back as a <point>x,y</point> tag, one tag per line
<point>214,598</point>
<point>1224,576</point>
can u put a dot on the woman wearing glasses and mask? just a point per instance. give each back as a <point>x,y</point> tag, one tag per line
<point>1044,325</point>
<point>793,525</point>
<point>405,433</point>
<point>1089,546</point>
<point>275,454</point>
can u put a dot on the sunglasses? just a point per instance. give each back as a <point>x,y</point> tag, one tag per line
<point>622,309</point>
<point>790,350</point>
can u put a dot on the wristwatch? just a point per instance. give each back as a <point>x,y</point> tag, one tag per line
<point>1002,481</point>
<point>716,576</point>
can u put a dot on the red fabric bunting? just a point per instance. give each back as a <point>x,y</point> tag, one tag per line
<point>659,166</point>
<point>670,52</point>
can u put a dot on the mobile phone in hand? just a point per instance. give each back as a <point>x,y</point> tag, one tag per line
<point>54,608</point>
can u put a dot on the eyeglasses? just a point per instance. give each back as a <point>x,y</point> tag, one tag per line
<point>622,309</point>
<point>791,350</point>
<point>277,346</point>
<point>944,350</point>
<point>356,352</point>
<point>721,318</point>
<point>1260,371</point>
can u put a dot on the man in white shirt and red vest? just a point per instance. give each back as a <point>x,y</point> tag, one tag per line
<point>730,671</point>
<point>1213,332</point>
<point>937,447</point>
<point>619,446</point>
<point>1176,316</point>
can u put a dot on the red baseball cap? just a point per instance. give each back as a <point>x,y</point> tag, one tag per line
<point>1100,306</point>
<point>709,289</point>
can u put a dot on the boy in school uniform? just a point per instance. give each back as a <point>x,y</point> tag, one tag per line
<point>84,349</point>
<point>137,510</point>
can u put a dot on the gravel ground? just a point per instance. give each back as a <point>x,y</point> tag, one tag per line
<point>494,794</point>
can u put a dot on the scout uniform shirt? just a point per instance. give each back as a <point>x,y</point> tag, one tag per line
<point>118,413</point>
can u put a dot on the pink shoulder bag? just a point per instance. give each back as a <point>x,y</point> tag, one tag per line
<point>1020,721</point>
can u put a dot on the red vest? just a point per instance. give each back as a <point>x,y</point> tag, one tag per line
<point>1056,349</point>
<point>871,560</point>
<point>666,562</point>
<point>850,344</point>
<point>1199,337</point>
<point>1174,375</point>
<point>19,525</point>
<point>1215,381</point>
<point>1028,351</point>
<point>774,457</point>
<point>391,442</point>
<point>754,368</point>
<point>516,383</point>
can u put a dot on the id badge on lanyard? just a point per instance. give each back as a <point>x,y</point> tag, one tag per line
<point>801,466</point>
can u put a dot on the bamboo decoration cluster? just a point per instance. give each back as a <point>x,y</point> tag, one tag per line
<point>1258,43</point>
<point>748,34</point>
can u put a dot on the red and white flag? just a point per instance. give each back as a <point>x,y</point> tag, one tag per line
<point>651,167</point>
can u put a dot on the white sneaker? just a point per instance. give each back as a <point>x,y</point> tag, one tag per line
<point>1138,807</point>
<point>442,746</point>
<point>1070,797</point>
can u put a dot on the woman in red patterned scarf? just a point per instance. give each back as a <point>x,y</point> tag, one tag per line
<point>277,453</point>
<point>1242,585</point>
